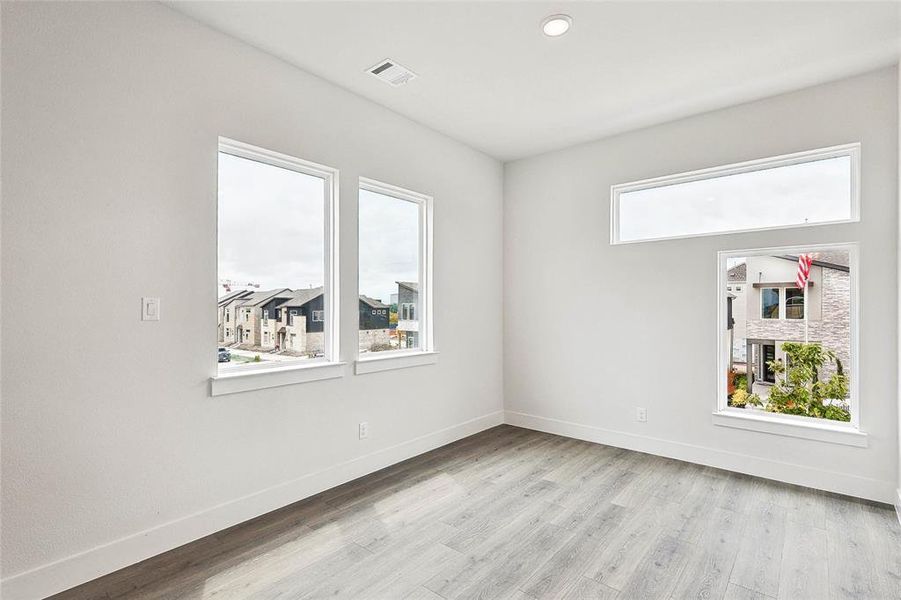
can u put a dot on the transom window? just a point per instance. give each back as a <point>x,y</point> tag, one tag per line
<point>807,188</point>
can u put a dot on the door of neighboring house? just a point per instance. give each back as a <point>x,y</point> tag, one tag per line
<point>768,354</point>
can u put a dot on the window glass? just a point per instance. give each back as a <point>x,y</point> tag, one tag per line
<point>794,303</point>
<point>272,235</point>
<point>769,303</point>
<point>389,262</point>
<point>817,188</point>
<point>789,364</point>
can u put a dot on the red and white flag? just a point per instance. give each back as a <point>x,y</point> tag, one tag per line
<point>804,261</point>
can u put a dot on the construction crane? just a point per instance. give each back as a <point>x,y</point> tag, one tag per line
<point>228,284</point>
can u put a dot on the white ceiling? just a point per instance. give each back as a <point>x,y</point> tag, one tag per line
<point>490,78</point>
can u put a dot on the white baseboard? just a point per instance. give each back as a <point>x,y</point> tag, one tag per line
<point>841,483</point>
<point>77,569</point>
<point>898,504</point>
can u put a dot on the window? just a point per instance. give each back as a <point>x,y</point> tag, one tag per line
<point>794,303</point>
<point>771,364</point>
<point>395,267</point>
<point>807,188</point>
<point>769,303</point>
<point>277,217</point>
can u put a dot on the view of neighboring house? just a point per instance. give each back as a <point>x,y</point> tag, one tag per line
<point>244,318</point>
<point>291,323</point>
<point>299,323</point>
<point>375,325</point>
<point>227,313</point>
<point>767,309</point>
<point>407,314</point>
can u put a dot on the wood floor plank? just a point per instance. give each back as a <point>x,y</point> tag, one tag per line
<point>804,574</point>
<point>659,571</point>
<point>758,564</point>
<point>633,541</point>
<point>555,576</point>
<point>707,571</point>
<point>422,593</point>
<point>737,592</point>
<point>584,588</point>
<point>504,576</point>
<point>853,565</point>
<point>514,514</point>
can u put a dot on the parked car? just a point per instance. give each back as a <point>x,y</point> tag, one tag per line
<point>225,355</point>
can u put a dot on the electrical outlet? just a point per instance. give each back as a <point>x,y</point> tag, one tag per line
<point>641,414</point>
<point>364,430</point>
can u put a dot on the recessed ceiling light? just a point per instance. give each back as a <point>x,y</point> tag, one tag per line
<point>556,25</point>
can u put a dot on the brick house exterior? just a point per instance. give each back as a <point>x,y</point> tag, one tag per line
<point>773,311</point>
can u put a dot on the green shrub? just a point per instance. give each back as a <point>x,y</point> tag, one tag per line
<point>797,391</point>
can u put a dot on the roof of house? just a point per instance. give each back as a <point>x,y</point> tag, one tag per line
<point>258,298</point>
<point>837,260</point>
<point>738,273</point>
<point>232,296</point>
<point>372,302</point>
<point>410,285</point>
<point>301,297</point>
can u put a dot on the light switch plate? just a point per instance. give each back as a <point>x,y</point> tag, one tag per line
<point>150,309</point>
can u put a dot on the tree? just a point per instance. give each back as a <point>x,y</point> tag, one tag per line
<point>798,392</point>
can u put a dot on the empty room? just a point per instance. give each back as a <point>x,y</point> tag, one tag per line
<point>444,300</point>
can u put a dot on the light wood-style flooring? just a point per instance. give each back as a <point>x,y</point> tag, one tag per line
<point>517,514</point>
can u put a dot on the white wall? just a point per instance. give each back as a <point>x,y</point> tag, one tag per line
<point>634,325</point>
<point>897,499</point>
<point>109,434</point>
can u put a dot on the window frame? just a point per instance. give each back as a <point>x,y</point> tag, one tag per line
<point>239,378</point>
<point>851,150</point>
<point>779,294</point>
<point>785,302</point>
<point>847,433</point>
<point>426,352</point>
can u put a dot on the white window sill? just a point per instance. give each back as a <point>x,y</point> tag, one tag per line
<point>232,382</point>
<point>395,360</point>
<point>834,432</point>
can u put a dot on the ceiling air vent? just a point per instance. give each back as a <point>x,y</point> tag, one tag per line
<point>391,72</point>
